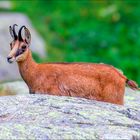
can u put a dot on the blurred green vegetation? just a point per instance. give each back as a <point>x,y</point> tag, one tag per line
<point>88,30</point>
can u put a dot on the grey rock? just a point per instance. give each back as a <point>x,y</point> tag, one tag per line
<point>55,117</point>
<point>5,5</point>
<point>7,71</point>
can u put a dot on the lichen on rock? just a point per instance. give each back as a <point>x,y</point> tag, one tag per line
<point>51,117</point>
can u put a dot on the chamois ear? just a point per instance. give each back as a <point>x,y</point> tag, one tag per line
<point>27,36</point>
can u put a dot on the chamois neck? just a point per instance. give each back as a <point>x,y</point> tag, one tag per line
<point>27,66</point>
<point>28,61</point>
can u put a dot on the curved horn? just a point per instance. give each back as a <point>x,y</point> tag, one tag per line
<point>11,32</point>
<point>14,32</point>
<point>19,33</point>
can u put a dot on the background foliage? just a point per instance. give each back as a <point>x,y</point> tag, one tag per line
<point>89,31</point>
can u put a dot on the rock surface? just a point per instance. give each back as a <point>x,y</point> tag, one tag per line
<point>52,117</point>
<point>7,71</point>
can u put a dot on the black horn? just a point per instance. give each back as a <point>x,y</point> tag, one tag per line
<point>14,32</point>
<point>11,32</point>
<point>19,33</point>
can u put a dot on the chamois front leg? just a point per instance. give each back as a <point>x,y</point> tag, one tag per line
<point>31,92</point>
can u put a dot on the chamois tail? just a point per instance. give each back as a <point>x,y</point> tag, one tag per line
<point>132,84</point>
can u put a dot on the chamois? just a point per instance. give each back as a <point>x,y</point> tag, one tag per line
<point>88,80</point>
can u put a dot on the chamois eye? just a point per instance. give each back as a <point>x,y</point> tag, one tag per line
<point>23,47</point>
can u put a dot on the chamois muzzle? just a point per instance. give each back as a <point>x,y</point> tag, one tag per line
<point>9,59</point>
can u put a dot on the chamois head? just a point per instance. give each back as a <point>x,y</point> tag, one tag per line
<point>20,45</point>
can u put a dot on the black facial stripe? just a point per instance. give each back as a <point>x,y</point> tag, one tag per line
<point>19,52</point>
